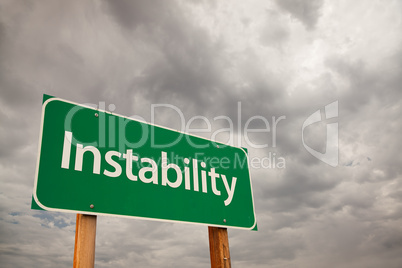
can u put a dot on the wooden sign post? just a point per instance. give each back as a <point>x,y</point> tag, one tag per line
<point>219,247</point>
<point>62,186</point>
<point>85,233</point>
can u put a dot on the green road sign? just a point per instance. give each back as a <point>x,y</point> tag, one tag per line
<point>95,162</point>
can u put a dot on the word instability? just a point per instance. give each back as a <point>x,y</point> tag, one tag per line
<point>152,169</point>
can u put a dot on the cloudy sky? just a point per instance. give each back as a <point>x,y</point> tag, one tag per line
<point>285,58</point>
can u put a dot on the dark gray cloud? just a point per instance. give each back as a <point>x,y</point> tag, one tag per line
<point>275,31</point>
<point>133,14</point>
<point>308,12</point>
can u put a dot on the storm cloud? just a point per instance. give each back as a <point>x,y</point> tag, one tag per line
<point>272,59</point>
